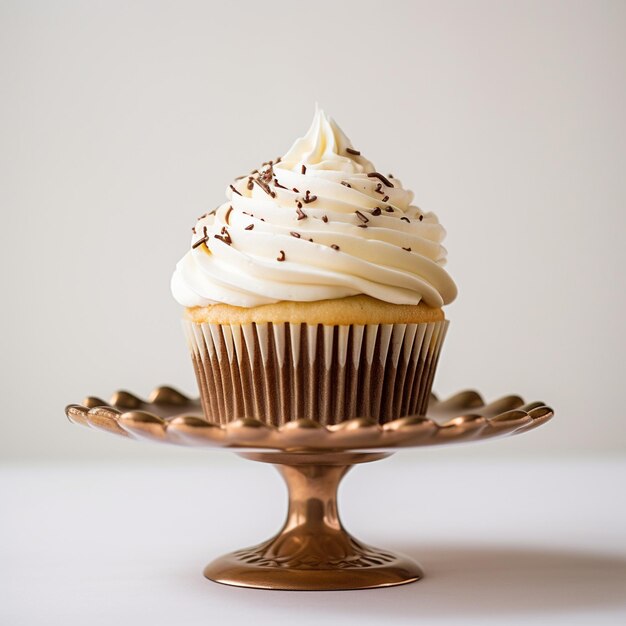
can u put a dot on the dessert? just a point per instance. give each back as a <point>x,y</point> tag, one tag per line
<point>315,291</point>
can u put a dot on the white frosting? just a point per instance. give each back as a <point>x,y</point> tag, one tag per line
<point>396,257</point>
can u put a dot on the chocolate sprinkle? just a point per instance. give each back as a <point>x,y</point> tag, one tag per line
<point>308,197</point>
<point>278,184</point>
<point>193,230</point>
<point>361,217</point>
<point>421,217</point>
<point>311,240</point>
<point>345,184</point>
<point>200,242</point>
<point>407,249</point>
<point>377,211</point>
<point>281,257</point>
<point>264,186</point>
<point>227,216</point>
<point>381,178</point>
<point>389,209</point>
<point>249,227</point>
<point>300,212</point>
<point>294,189</point>
<point>386,198</point>
<point>303,168</point>
<point>324,218</point>
<point>352,151</point>
<point>233,188</point>
<point>335,246</point>
<point>293,233</point>
<point>224,236</point>
<point>250,184</point>
<point>379,188</point>
<point>405,219</point>
<point>298,204</point>
<point>362,226</point>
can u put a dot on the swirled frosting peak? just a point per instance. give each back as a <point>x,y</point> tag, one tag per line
<point>325,147</point>
<point>318,223</point>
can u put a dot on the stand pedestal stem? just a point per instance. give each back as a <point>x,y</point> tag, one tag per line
<point>312,497</point>
<point>313,551</point>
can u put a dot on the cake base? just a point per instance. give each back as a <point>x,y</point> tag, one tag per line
<point>313,551</point>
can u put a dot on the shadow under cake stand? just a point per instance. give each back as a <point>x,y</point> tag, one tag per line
<point>312,551</point>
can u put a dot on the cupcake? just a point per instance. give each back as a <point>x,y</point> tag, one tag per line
<point>315,291</point>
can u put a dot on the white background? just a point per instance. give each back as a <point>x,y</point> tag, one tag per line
<point>123,121</point>
<point>120,122</point>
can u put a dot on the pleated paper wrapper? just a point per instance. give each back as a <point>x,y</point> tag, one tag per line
<point>281,372</point>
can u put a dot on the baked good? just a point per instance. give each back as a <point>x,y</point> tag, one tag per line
<point>315,291</point>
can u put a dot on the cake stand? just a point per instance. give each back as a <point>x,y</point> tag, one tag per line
<point>312,551</point>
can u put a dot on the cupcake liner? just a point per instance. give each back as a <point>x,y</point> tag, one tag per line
<point>280,372</point>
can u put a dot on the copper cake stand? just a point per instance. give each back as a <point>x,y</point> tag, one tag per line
<point>312,551</point>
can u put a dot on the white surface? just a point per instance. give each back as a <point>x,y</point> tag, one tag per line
<point>501,543</point>
<point>121,122</point>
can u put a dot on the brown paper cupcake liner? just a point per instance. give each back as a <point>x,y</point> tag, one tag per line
<point>281,372</point>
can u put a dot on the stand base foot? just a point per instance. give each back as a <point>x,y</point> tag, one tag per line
<point>313,552</point>
<point>246,568</point>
